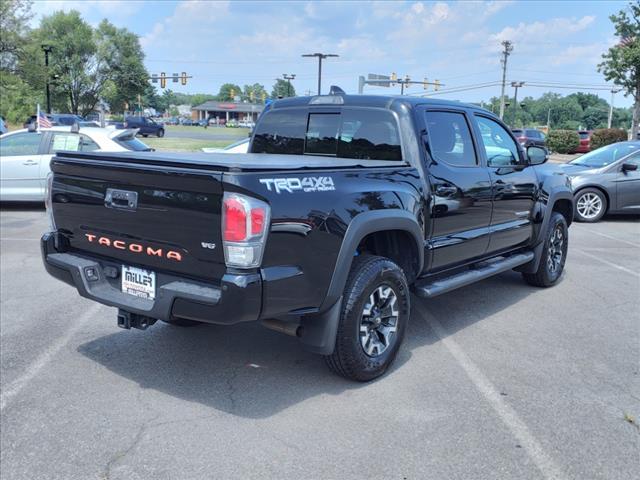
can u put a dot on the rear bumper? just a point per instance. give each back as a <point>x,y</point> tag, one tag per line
<point>237,298</point>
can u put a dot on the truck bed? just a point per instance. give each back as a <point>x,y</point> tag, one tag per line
<point>227,162</point>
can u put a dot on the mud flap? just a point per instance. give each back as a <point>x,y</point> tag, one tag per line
<point>319,330</point>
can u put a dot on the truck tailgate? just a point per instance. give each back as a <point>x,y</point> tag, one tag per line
<point>156,217</point>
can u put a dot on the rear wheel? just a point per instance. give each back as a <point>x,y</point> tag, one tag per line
<point>590,205</point>
<point>554,253</point>
<point>374,317</point>
<point>160,133</point>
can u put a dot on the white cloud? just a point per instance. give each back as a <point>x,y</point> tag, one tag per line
<point>113,10</point>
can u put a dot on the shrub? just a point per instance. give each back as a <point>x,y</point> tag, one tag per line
<point>606,136</point>
<point>563,141</point>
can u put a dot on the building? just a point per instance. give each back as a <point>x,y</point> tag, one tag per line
<point>247,112</point>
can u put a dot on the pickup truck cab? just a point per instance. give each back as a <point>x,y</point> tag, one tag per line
<point>343,205</point>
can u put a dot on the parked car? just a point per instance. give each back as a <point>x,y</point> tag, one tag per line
<point>203,123</point>
<point>146,126</point>
<point>606,180</point>
<point>25,155</point>
<point>241,146</point>
<point>585,141</point>
<point>187,122</point>
<point>312,234</point>
<point>530,136</point>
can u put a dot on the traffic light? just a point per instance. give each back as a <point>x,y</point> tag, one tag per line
<point>252,95</point>
<point>163,80</point>
<point>183,78</point>
<point>232,93</point>
<point>394,77</point>
<point>425,83</point>
<point>437,86</point>
<point>175,78</point>
<point>264,97</point>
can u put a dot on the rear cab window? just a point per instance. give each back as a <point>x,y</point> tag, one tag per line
<point>360,133</point>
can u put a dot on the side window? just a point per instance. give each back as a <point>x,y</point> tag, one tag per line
<point>633,159</point>
<point>369,135</point>
<point>281,131</point>
<point>450,139</point>
<point>500,148</point>
<point>20,144</point>
<point>322,134</point>
<point>88,145</point>
<point>65,141</point>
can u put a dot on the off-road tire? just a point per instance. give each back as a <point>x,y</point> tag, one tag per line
<point>545,276</point>
<point>349,359</point>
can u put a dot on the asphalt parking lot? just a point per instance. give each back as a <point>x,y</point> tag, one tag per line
<point>496,380</point>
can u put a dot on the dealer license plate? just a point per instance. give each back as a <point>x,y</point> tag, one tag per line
<point>139,282</point>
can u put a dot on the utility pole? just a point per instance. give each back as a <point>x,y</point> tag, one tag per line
<point>321,56</point>
<point>47,50</point>
<point>508,48</point>
<point>288,78</point>
<point>549,119</point>
<point>613,92</point>
<point>516,85</point>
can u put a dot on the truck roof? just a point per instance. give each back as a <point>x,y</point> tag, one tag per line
<point>380,101</point>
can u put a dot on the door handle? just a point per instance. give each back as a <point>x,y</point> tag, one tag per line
<point>443,191</point>
<point>30,162</point>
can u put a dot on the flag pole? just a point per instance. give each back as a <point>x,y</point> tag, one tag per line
<point>38,119</point>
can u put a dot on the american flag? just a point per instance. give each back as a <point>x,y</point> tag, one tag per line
<point>627,40</point>
<point>43,121</point>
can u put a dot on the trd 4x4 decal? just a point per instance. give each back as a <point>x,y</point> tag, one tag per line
<point>295,184</point>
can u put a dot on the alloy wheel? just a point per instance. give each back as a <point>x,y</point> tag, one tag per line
<point>555,250</point>
<point>589,205</point>
<point>379,322</point>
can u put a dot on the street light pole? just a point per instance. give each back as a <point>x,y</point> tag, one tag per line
<point>47,50</point>
<point>321,56</point>
<point>516,85</point>
<point>288,78</point>
<point>613,92</point>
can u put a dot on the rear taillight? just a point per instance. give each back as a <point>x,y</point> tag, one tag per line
<point>245,221</point>
<point>48,202</point>
<point>522,139</point>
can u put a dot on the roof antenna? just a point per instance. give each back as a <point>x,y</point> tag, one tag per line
<point>335,90</point>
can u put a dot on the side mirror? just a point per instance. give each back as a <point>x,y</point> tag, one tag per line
<point>629,167</point>
<point>537,155</point>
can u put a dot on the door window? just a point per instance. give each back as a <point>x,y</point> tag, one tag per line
<point>450,139</point>
<point>633,159</point>
<point>20,144</point>
<point>369,135</point>
<point>500,148</point>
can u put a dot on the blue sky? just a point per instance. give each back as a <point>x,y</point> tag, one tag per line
<point>455,42</point>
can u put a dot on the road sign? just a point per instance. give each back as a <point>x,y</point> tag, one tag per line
<point>378,80</point>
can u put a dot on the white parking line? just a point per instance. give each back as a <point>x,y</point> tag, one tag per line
<point>507,414</point>
<point>584,229</point>
<point>606,262</point>
<point>32,370</point>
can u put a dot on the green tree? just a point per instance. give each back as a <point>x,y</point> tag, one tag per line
<point>228,91</point>
<point>282,89</point>
<point>595,117</point>
<point>18,99</point>
<point>120,58</point>
<point>255,93</point>
<point>621,63</point>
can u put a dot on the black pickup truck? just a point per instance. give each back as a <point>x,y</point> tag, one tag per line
<point>342,207</point>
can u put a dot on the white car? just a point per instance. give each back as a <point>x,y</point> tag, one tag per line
<point>25,155</point>
<point>238,147</point>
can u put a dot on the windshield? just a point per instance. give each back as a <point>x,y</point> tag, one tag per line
<point>606,155</point>
<point>130,142</point>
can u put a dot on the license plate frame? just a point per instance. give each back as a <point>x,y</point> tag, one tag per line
<point>138,282</point>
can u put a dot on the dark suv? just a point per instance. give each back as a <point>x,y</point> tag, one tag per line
<point>145,126</point>
<point>529,136</point>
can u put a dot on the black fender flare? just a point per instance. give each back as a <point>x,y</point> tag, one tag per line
<point>360,226</point>
<point>556,193</point>
<point>319,330</point>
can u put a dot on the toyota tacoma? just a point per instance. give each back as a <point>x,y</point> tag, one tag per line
<point>342,207</point>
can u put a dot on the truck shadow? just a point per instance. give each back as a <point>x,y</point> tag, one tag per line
<point>252,372</point>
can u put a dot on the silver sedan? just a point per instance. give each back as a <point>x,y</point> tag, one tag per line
<point>606,180</point>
